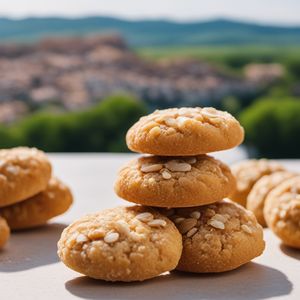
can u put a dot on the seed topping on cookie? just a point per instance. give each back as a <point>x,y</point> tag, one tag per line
<point>145,217</point>
<point>166,174</point>
<point>157,223</point>
<point>186,225</point>
<point>111,237</point>
<point>195,214</point>
<point>174,165</point>
<point>148,168</point>
<point>246,228</point>
<point>216,224</point>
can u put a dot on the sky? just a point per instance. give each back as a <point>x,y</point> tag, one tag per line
<point>283,12</point>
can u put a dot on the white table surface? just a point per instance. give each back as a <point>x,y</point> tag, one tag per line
<point>30,269</point>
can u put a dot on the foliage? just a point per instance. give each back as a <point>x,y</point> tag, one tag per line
<point>272,126</point>
<point>293,65</point>
<point>101,128</point>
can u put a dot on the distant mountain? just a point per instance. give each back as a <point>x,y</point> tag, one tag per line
<point>151,33</point>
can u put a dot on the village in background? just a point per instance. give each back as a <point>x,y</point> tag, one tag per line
<point>81,93</point>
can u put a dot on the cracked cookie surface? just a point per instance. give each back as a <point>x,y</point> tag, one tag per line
<point>247,173</point>
<point>4,232</point>
<point>24,172</point>
<point>282,211</point>
<point>185,131</point>
<point>261,189</point>
<point>217,237</point>
<point>174,181</point>
<point>37,210</point>
<point>121,244</point>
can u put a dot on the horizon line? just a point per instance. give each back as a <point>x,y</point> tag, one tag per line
<point>153,19</point>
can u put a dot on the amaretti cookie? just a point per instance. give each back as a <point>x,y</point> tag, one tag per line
<point>247,173</point>
<point>121,244</point>
<point>282,211</point>
<point>37,210</point>
<point>217,237</point>
<point>24,172</point>
<point>184,132</point>
<point>4,233</point>
<point>261,189</point>
<point>174,181</point>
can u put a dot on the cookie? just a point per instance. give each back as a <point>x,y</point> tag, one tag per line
<point>4,232</point>
<point>37,210</point>
<point>121,244</point>
<point>24,172</point>
<point>185,131</point>
<point>217,237</point>
<point>261,189</point>
<point>174,181</point>
<point>282,211</point>
<point>247,173</point>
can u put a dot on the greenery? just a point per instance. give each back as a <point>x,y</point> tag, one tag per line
<point>272,122</point>
<point>272,126</point>
<point>100,129</point>
<point>231,57</point>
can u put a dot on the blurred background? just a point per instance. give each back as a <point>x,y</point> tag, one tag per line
<point>74,76</point>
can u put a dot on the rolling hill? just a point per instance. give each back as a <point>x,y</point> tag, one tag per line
<point>146,33</point>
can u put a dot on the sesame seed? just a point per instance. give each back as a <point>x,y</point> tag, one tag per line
<point>191,232</point>
<point>2,163</point>
<point>176,166</point>
<point>219,217</point>
<point>166,175</point>
<point>282,214</point>
<point>12,169</point>
<point>122,227</point>
<point>246,228</point>
<point>216,224</point>
<point>148,168</point>
<point>178,220</point>
<point>96,234</point>
<point>155,131</point>
<point>171,122</point>
<point>182,121</point>
<point>157,223</point>
<point>190,160</point>
<point>195,214</point>
<point>81,238</point>
<point>186,225</point>
<point>111,237</point>
<point>145,217</point>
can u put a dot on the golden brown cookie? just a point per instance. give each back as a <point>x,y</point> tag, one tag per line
<point>37,210</point>
<point>247,173</point>
<point>217,237</point>
<point>121,244</point>
<point>185,131</point>
<point>4,232</point>
<point>174,181</point>
<point>261,189</point>
<point>24,172</point>
<point>282,211</point>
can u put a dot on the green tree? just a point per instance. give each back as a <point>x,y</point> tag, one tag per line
<point>293,66</point>
<point>272,127</point>
<point>99,129</point>
<point>9,137</point>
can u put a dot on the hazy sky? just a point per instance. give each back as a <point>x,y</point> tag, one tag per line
<point>265,11</point>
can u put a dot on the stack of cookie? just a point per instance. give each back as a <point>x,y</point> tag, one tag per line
<point>29,195</point>
<point>180,220</point>
<point>273,194</point>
